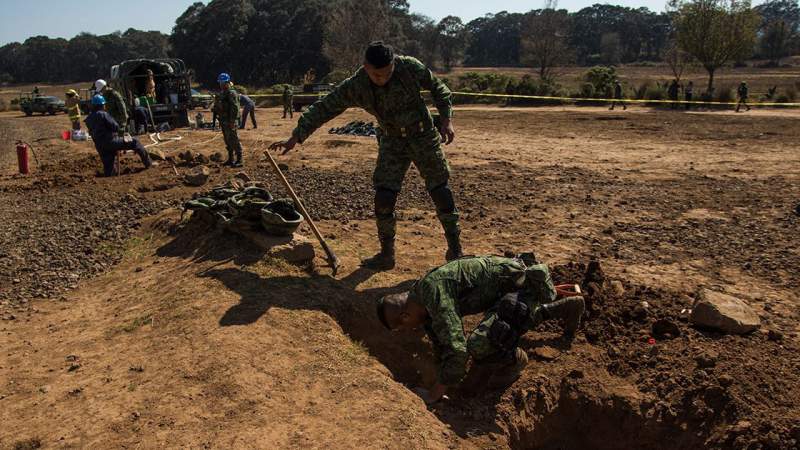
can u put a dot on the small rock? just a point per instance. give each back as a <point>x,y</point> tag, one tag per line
<point>706,360</point>
<point>665,329</point>
<point>725,380</point>
<point>216,157</point>
<point>774,335</point>
<point>723,312</point>
<point>616,288</point>
<point>156,154</point>
<point>198,176</point>
<point>546,353</point>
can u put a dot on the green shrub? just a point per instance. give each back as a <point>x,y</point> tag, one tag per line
<point>654,93</point>
<point>586,90</point>
<point>602,79</point>
<point>791,95</point>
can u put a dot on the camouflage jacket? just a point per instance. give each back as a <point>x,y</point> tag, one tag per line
<point>469,286</point>
<point>227,106</point>
<point>397,104</point>
<point>115,105</point>
<point>287,96</point>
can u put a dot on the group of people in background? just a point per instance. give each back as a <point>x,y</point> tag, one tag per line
<point>673,94</point>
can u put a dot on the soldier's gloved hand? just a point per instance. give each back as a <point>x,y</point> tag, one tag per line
<point>447,131</point>
<point>287,146</point>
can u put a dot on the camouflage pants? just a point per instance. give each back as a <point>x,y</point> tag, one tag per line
<point>538,289</point>
<point>395,155</point>
<point>231,137</point>
<point>287,108</point>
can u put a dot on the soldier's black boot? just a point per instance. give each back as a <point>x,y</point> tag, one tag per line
<point>229,162</point>
<point>454,250</point>
<point>569,309</point>
<point>384,260</point>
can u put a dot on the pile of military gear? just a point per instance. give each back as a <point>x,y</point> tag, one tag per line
<point>356,128</point>
<point>250,207</point>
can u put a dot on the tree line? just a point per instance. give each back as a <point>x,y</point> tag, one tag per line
<point>265,42</point>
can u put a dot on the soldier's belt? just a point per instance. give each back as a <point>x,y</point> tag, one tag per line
<point>414,129</point>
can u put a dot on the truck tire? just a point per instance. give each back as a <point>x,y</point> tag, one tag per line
<point>28,112</point>
<point>51,111</point>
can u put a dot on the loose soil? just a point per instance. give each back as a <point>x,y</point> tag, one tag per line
<point>124,326</point>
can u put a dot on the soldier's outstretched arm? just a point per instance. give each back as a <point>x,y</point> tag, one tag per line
<point>325,109</point>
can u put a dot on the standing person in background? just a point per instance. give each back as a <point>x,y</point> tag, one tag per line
<point>688,93</point>
<point>672,91</point>
<point>618,96</point>
<point>73,106</point>
<point>287,102</point>
<point>150,85</point>
<point>226,105</point>
<point>115,104</point>
<point>742,92</point>
<point>248,107</point>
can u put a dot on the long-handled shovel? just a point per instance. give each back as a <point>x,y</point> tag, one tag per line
<point>333,261</point>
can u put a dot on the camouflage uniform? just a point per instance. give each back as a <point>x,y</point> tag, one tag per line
<point>407,133</point>
<point>287,103</point>
<point>472,285</point>
<point>226,107</point>
<point>115,105</point>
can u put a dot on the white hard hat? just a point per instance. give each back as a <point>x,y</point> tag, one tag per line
<point>99,85</point>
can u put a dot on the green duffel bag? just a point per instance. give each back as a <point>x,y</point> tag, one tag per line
<point>280,218</point>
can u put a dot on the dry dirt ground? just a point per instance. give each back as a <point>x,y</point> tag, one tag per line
<point>123,326</point>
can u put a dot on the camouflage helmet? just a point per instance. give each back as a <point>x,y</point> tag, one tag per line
<point>280,218</point>
<point>248,203</point>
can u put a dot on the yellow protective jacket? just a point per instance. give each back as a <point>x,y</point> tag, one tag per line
<point>73,106</point>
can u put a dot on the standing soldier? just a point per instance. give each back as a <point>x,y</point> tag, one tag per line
<point>226,106</point>
<point>618,96</point>
<point>248,108</point>
<point>287,102</point>
<point>742,92</point>
<point>388,87</point>
<point>688,93</point>
<point>73,106</point>
<point>115,105</point>
<point>672,91</point>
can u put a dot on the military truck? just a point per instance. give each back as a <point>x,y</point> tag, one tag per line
<point>173,90</point>
<point>310,93</point>
<point>45,104</point>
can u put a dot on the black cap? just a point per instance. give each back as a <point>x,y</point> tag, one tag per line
<point>379,54</point>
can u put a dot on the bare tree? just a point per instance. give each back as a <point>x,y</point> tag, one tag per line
<point>544,39</point>
<point>350,26</point>
<point>677,59</point>
<point>716,32</point>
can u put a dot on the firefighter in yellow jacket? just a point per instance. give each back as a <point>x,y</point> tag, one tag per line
<point>73,107</point>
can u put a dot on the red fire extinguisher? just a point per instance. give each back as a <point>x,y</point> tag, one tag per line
<point>22,157</point>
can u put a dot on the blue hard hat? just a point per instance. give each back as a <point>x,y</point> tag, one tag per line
<point>98,100</point>
<point>223,78</point>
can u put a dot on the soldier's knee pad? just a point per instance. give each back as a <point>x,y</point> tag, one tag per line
<point>442,197</point>
<point>385,201</point>
<point>513,311</point>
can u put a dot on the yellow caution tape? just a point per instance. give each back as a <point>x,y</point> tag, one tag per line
<point>572,99</point>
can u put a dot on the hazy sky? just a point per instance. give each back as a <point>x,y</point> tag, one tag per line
<point>22,19</point>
